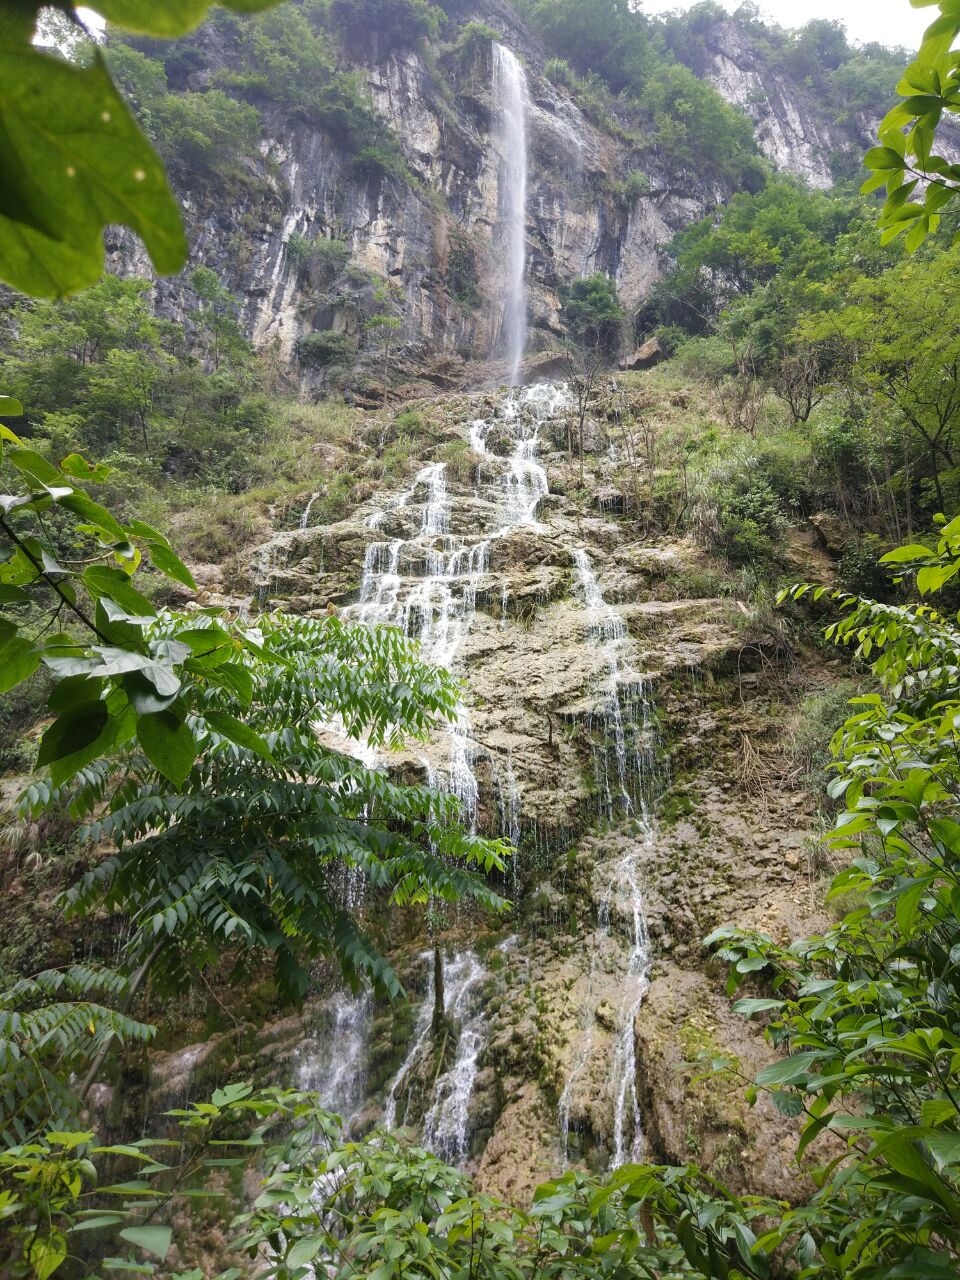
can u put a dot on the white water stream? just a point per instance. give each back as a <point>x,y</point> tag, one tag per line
<point>511,96</point>
<point>427,584</point>
<point>333,1056</point>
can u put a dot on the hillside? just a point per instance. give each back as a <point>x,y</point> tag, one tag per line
<point>410,713</point>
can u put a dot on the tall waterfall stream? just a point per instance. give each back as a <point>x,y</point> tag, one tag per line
<point>425,578</point>
<point>511,95</point>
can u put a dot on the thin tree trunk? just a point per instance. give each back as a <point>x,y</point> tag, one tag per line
<point>438,995</point>
<point>136,982</point>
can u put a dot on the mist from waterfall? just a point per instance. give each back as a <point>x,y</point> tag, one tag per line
<point>511,98</point>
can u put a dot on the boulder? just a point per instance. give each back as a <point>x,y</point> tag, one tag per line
<point>644,357</point>
<point>831,531</point>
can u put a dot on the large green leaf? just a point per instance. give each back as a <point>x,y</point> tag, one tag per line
<point>74,160</point>
<point>230,727</point>
<point>75,729</point>
<point>168,744</point>
<point>171,18</point>
<point>152,1239</point>
<point>19,658</point>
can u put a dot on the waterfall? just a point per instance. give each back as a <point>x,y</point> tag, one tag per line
<point>427,584</point>
<point>332,1058</point>
<point>627,723</point>
<point>511,99</point>
<point>446,1127</point>
<point>305,514</point>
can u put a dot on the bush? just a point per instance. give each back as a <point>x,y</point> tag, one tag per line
<point>694,129</point>
<point>559,72</point>
<point>475,38</point>
<point>592,312</point>
<point>324,349</point>
<point>209,132</point>
<point>751,520</point>
<point>633,186</point>
<point>396,23</point>
<point>462,278</point>
<point>316,259</point>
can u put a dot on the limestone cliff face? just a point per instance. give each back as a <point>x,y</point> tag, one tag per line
<point>418,233</point>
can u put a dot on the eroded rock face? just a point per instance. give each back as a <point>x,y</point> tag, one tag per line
<point>410,233</point>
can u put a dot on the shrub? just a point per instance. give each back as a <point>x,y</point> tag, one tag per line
<point>475,37</point>
<point>633,186</point>
<point>206,132</point>
<point>592,312</point>
<point>462,278</point>
<point>317,259</point>
<point>750,521</point>
<point>397,23</point>
<point>324,348</point>
<point>380,161</point>
<point>559,72</point>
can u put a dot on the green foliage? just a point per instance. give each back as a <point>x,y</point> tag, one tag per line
<point>382,1200</point>
<point>324,348</point>
<point>475,37</point>
<point>751,519</point>
<point>100,373</point>
<point>462,278</point>
<point>592,312</point>
<point>81,163</point>
<point>606,37</point>
<point>694,129</point>
<point>635,185</point>
<point>395,23</point>
<point>317,260</point>
<point>64,1184</point>
<point>51,1025</point>
<point>920,184</point>
<point>237,834</point>
<point>867,1010</point>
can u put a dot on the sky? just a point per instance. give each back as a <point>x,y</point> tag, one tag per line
<point>891,22</point>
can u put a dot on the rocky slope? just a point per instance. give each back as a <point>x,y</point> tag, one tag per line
<point>632,735</point>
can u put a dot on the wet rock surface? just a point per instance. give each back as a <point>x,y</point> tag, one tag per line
<point>637,750</point>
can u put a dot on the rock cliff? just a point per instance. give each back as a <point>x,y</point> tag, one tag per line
<point>435,233</point>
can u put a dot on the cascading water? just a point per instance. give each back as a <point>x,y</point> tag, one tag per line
<point>628,732</point>
<point>427,584</point>
<point>511,97</point>
<point>332,1059</point>
<point>424,573</point>
<point>446,1128</point>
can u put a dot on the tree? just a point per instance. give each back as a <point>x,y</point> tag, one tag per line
<point>592,313</point>
<point>920,183</point>
<point>903,332</point>
<point>248,844</point>
<point>868,1010</point>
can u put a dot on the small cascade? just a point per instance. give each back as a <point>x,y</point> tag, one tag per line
<point>627,1128</point>
<point>625,719</point>
<point>625,767</point>
<point>427,585</point>
<point>446,1130</point>
<point>511,96</point>
<point>332,1061</point>
<point>305,514</point>
<point>398,1090</point>
<point>445,1124</point>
